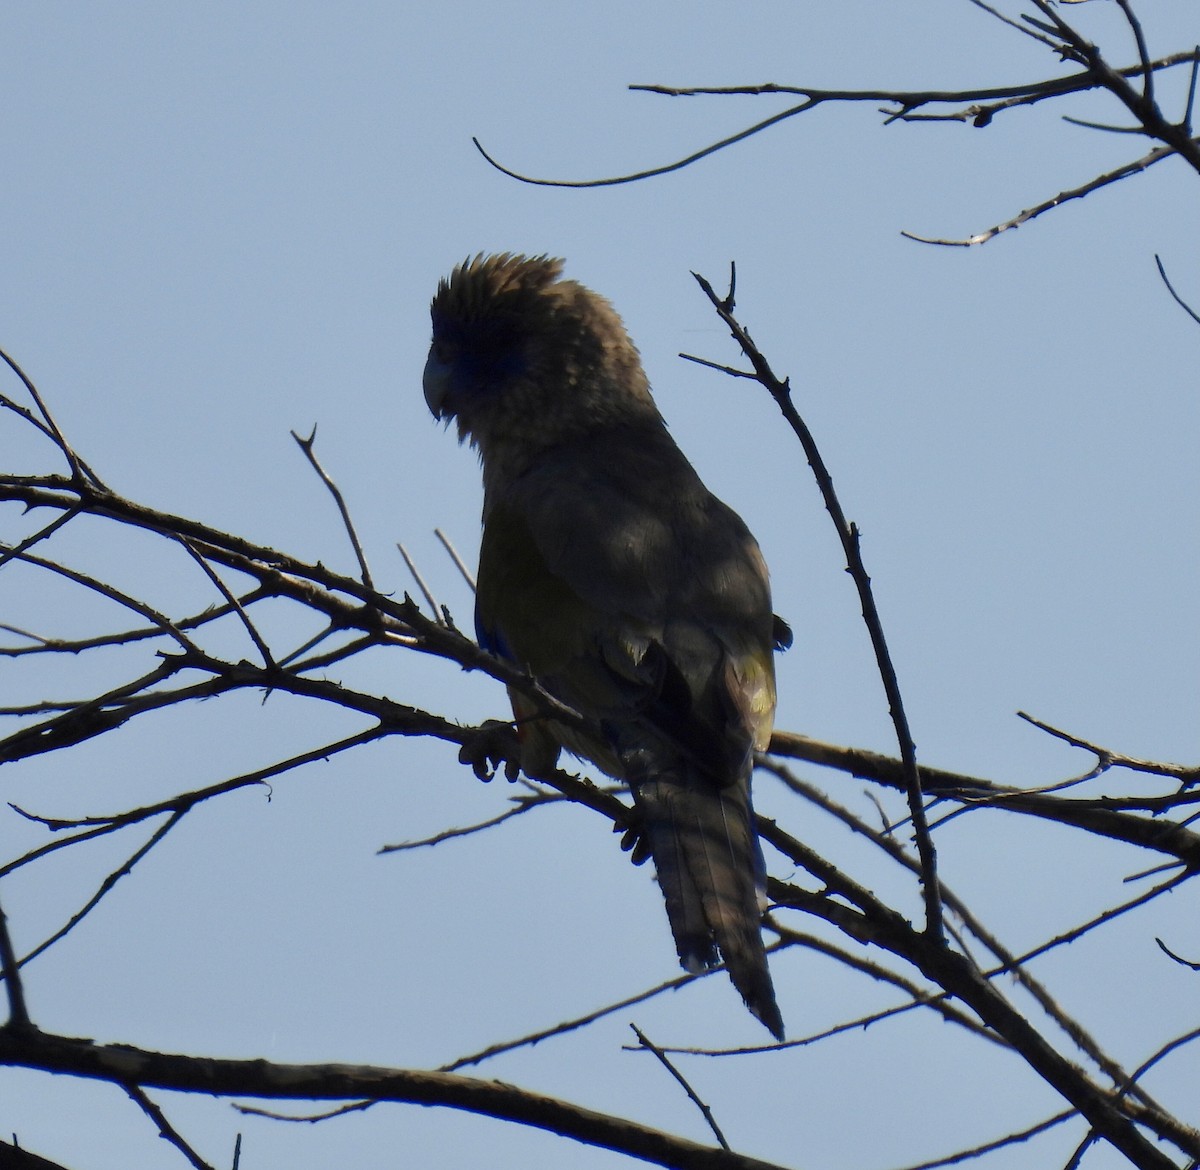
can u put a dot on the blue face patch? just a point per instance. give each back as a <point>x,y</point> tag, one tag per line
<point>480,356</point>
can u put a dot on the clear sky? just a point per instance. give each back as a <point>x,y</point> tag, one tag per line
<point>224,221</point>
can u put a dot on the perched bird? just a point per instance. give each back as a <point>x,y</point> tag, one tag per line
<point>620,583</point>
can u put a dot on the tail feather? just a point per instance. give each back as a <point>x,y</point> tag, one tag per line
<point>706,855</point>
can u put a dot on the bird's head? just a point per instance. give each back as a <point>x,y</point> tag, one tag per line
<point>523,358</point>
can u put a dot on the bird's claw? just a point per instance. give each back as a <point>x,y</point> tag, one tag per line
<point>492,743</point>
<point>633,841</point>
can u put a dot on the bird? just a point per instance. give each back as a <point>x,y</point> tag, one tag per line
<point>612,576</point>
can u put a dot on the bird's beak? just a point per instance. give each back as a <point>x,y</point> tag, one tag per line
<point>436,381</point>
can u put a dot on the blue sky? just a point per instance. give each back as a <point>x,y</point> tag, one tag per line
<point>222,222</point>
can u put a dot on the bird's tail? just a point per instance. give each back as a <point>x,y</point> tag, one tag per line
<point>708,862</point>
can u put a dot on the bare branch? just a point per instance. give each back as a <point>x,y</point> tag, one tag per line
<point>430,600</point>
<point>848,534</point>
<point>307,446</point>
<point>1171,289</point>
<point>578,1022</point>
<point>1012,1139</point>
<point>707,1113</point>
<point>523,805</point>
<point>18,1011</point>
<point>165,1129</point>
<point>124,1064</point>
<point>106,886</point>
<point>1141,164</point>
<point>79,470</point>
<point>459,564</point>
<point>1166,950</point>
<point>234,604</point>
<point>1107,758</point>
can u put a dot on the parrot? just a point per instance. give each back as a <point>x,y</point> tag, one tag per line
<point>612,576</point>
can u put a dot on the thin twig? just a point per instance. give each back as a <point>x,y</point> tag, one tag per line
<point>459,563</point>
<point>106,886</point>
<point>1040,38</point>
<point>164,624</point>
<point>1186,774</point>
<point>426,592</point>
<point>307,446</point>
<point>661,1057</point>
<point>208,615</point>
<point>309,644</point>
<point>1191,97</point>
<point>63,518</point>
<point>337,654</point>
<point>1155,1057</point>
<point>1139,37</point>
<point>1012,1139</point>
<point>524,806</point>
<point>232,601</point>
<point>650,172</point>
<point>1166,950</point>
<point>79,470</point>
<point>578,1022</point>
<point>307,1118</point>
<point>1141,164</point>
<point>98,826</point>
<point>1171,289</point>
<point>165,1128</point>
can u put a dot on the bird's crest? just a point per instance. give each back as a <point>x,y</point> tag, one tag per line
<point>482,283</point>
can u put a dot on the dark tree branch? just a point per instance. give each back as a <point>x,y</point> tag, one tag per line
<point>80,471</point>
<point>1141,164</point>
<point>308,447</point>
<point>12,1157</point>
<point>18,1011</point>
<point>848,534</point>
<point>1012,1139</point>
<point>165,1129</point>
<point>707,1113</point>
<point>863,917</point>
<point>1174,295</point>
<point>124,1064</point>
<point>1101,815</point>
<point>106,887</point>
<point>977,106</point>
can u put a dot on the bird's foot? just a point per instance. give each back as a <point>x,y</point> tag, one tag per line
<point>633,838</point>
<point>493,743</point>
